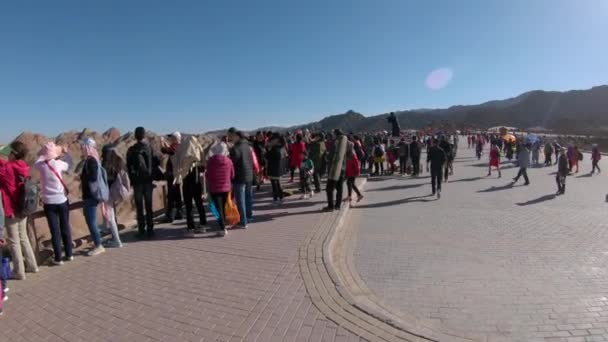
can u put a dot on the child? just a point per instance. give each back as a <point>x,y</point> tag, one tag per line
<point>494,160</point>
<point>307,169</point>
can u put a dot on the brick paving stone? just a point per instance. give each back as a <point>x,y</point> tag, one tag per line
<point>511,262</point>
<point>247,286</point>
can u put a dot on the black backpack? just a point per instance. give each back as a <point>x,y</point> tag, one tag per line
<point>378,153</point>
<point>28,203</point>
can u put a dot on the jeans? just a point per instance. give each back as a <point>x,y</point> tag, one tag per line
<point>111,224</point>
<point>20,247</point>
<point>351,185</point>
<point>331,186</point>
<point>317,180</point>
<point>219,200</point>
<point>561,183</point>
<point>58,218</point>
<point>277,191</point>
<point>436,178</point>
<point>90,216</point>
<point>142,194</point>
<point>523,171</point>
<point>244,201</point>
<point>194,193</point>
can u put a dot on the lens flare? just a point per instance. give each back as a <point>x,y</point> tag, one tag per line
<point>439,78</point>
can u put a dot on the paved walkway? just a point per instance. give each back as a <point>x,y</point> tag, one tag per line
<point>489,261</point>
<point>246,287</point>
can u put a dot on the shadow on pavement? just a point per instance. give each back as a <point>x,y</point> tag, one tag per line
<point>472,179</point>
<point>499,188</point>
<point>586,175</point>
<point>399,187</point>
<point>423,199</point>
<point>287,205</point>
<point>538,200</point>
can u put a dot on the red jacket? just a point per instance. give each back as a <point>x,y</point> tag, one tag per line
<point>353,166</point>
<point>296,154</point>
<point>11,185</point>
<point>220,173</point>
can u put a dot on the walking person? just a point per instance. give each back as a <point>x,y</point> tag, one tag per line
<point>220,173</point>
<point>404,155</point>
<point>548,154</point>
<point>336,171</point>
<point>306,171</point>
<point>353,170</point>
<point>523,158</point>
<point>243,175</point>
<point>563,171</point>
<point>275,160</point>
<point>120,186</point>
<point>90,180</point>
<point>317,154</point>
<point>436,159</point>
<point>140,164</point>
<point>445,145</point>
<point>14,172</point>
<point>596,156</point>
<point>415,151</point>
<point>494,160</point>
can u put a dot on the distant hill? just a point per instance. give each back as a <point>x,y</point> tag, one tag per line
<point>576,111</point>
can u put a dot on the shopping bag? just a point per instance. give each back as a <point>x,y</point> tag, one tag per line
<point>232,212</point>
<point>214,210</point>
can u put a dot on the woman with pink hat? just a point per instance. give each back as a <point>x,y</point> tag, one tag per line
<point>54,194</point>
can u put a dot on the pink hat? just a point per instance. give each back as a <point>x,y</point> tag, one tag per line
<point>49,151</point>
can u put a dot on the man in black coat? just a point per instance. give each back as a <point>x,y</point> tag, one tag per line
<point>242,158</point>
<point>415,156</point>
<point>140,167</point>
<point>437,159</point>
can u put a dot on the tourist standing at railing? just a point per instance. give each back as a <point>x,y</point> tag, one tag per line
<point>140,165</point>
<point>13,174</point>
<point>54,194</point>
<point>91,167</point>
<point>220,173</point>
<point>174,192</point>
<point>119,183</point>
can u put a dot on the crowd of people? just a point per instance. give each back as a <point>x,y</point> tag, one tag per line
<point>232,168</point>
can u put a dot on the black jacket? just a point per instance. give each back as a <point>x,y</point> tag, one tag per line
<point>89,175</point>
<point>243,162</point>
<point>436,157</point>
<point>415,149</point>
<point>139,163</point>
<point>276,161</point>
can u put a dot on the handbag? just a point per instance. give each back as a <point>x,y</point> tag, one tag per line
<point>231,211</point>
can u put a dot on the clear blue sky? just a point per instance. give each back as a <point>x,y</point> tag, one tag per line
<point>200,65</point>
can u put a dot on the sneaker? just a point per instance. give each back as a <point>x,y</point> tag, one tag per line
<point>35,270</point>
<point>4,299</point>
<point>347,199</point>
<point>57,263</point>
<point>527,183</point>
<point>303,197</point>
<point>222,233</point>
<point>189,233</point>
<point>96,251</point>
<point>360,198</point>
<point>439,194</point>
<point>328,209</point>
<point>113,244</point>
<point>70,258</point>
<point>312,193</point>
<point>6,290</point>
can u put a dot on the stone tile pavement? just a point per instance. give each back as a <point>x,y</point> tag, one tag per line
<point>489,261</point>
<point>246,287</point>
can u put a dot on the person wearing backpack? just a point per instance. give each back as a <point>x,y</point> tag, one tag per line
<point>95,191</point>
<point>140,165</point>
<point>54,194</point>
<point>14,178</point>
<point>120,186</point>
